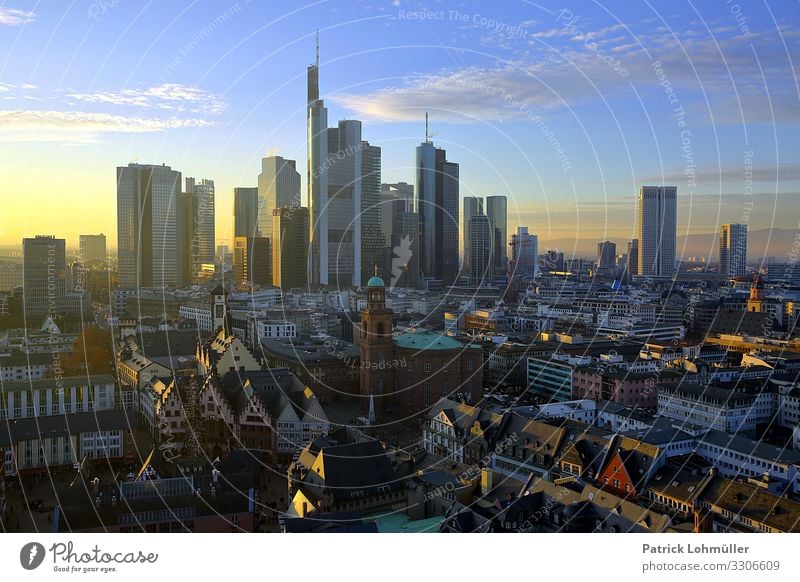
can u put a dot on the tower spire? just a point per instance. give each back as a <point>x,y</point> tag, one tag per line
<point>427,135</point>
<point>317,61</point>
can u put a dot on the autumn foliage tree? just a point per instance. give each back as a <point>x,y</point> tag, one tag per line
<point>92,354</point>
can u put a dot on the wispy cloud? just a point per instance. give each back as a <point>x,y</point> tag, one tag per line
<point>770,173</point>
<point>14,17</point>
<point>169,96</point>
<point>80,127</point>
<point>724,77</point>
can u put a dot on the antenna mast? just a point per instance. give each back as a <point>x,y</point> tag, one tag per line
<point>318,47</point>
<point>427,135</point>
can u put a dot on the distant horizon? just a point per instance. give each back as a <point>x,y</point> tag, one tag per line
<point>755,254</point>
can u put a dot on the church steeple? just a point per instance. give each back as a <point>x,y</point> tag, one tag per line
<point>756,300</point>
<point>377,347</point>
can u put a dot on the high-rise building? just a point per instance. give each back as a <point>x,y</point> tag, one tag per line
<point>278,187</point>
<point>481,249</point>
<point>290,243</point>
<point>399,190</point>
<point>524,254</point>
<point>606,257</point>
<point>373,241</point>
<point>632,267</point>
<point>497,211</point>
<point>657,212</point>
<point>437,193</point>
<point>396,199</point>
<point>733,250</point>
<point>245,212</point>
<point>252,261</point>
<point>343,177</point>
<point>199,226</point>
<point>92,248</point>
<point>150,225</point>
<point>44,274</point>
<point>473,205</point>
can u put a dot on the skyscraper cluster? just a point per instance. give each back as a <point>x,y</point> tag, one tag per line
<point>165,231</point>
<point>415,235</point>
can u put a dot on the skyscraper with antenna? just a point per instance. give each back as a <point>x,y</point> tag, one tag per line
<point>317,136</point>
<point>437,203</point>
<point>343,195</point>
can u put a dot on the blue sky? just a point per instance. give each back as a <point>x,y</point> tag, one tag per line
<point>565,107</point>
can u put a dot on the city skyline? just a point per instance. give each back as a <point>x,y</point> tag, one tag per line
<point>389,266</point>
<point>168,103</point>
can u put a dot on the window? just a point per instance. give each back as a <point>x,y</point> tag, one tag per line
<point>427,367</point>
<point>469,365</point>
<point>426,395</point>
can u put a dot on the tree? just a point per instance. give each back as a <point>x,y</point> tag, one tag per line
<point>91,354</point>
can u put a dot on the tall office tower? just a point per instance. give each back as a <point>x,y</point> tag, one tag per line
<point>633,260</point>
<point>278,187</point>
<point>149,225</point>
<point>92,248</point>
<point>524,254</point>
<point>606,256</point>
<point>481,249</point>
<point>245,211</point>
<point>436,191</point>
<point>200,225</point>
<point>657,212</point>
<point>338,161</point>
<point>44,274</point>
<point>373,241</point>
<point>290,244</point>
<point>497,211</point>
<point>733,250</point>
<point>473,206</point>
<point>317,138</point>
<point>343,215</point>
<point>252,261</point>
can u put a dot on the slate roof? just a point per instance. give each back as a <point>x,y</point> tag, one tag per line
<point>753,502</point>
<point>16,430</point>
<point>356,467</point>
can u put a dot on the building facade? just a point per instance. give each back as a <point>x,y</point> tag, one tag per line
<point>497,211</point>
<point>44,269</point>
<point>278,187</point>
<point>657,212</point>
<point>733,250</point>
<point>150,226</point>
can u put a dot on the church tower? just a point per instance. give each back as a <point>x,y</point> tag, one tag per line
<point>219,310</point>
<point>377,347</point>
<point>756,301</point>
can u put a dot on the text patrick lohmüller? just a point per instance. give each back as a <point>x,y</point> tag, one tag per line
<point>694,549</point>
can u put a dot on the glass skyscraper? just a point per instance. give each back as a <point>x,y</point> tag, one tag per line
<point>149,226</point>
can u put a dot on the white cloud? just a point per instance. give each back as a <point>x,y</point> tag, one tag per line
<point>169,96</point>
<point>79,127</point>
<point>14,17</point>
